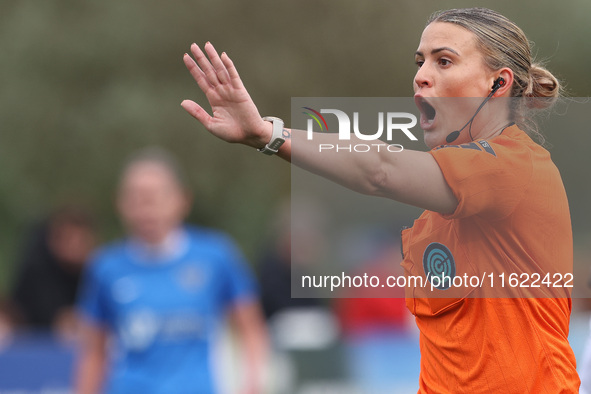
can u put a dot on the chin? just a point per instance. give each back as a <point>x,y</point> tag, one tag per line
<point>433,139</point>
<point>149,234</point>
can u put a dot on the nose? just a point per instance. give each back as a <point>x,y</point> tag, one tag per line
<point>423,78</point>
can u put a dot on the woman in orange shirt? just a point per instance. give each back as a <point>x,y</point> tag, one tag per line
<point>494,201</point>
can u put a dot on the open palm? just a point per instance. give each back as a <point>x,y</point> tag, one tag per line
<point>235,116</point>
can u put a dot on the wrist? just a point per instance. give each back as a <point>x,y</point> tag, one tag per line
<point>264,134</point>
<point>276,139</point>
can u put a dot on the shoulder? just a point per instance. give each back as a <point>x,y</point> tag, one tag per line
<point>108,258</point>
<point>511,141</point>
<point>511,153</point>
<point>215,246</point>
<point>210,237</point>
<point>491,177</point>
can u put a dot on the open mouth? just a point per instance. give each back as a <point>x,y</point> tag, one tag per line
<point>428,112</point>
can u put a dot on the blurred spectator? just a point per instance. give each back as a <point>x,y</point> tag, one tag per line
<point>303,329</point>
<point>377,326</point>
<point>6,323</point>
<point>162,294</point>
<point>367,309</point>
<point>49,270</point>
<point>277,266</point>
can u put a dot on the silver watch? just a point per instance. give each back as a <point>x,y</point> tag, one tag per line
<point>277,137</point>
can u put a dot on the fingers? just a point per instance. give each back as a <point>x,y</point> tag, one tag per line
<point>205,65</point>
<point>232,72</point>
<point>197,112</point>
<point>197,73</point>
<point>213,68</point>
<point>220,68</point>
<point>213,71</point>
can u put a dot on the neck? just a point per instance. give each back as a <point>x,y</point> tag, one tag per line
<point>173,244</point>
<point>157,240</point>
<point>492,129</point>
<point>498,117</point>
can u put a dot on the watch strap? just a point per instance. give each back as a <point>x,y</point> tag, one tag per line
<point>276,138</point>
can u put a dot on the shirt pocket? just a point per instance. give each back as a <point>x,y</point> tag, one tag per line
<point>432,257</point>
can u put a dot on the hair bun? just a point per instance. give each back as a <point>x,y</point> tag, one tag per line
<point>542,88</point>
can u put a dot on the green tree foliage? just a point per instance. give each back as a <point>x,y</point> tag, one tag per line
<point>83,84</point>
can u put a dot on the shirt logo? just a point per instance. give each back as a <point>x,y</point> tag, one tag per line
<point>482,146</point>
<point>138,329</point>
<point>125,290</point>
<point>438,261</point>
<point>191,278</point>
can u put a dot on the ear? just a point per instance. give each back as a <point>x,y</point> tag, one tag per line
<point>118,202</point>
<point>507,74</point>
<point>187,202</point>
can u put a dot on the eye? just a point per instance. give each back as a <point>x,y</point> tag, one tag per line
<point>444,62</point>
<point>419,63</point>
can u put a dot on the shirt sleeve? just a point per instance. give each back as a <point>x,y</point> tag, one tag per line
<point>239,283</point>
<point>488,180</point>
<point>91,303</point>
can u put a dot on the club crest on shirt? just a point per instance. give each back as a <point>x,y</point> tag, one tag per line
<point>439,262</point>
<point>138,329</point>
<point>191,278</point>
<point>125,290</point>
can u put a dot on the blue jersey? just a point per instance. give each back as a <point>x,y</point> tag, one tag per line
<point>164,310</point>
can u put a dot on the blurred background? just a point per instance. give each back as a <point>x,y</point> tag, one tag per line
<point>84,84</point>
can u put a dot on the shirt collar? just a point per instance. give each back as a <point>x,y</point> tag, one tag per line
<point>174,245</point>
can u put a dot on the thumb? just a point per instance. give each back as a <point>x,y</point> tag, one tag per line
<point>197,112</point>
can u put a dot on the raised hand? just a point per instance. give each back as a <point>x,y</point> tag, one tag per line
<point>235,116</point>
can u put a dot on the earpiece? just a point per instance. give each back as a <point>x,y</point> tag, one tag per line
<point>499,83</point>
<point>451,137</point>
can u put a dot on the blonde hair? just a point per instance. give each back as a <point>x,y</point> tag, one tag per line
<point>503,44</point>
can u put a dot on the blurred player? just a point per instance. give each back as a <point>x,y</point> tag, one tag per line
<point>162,294</point>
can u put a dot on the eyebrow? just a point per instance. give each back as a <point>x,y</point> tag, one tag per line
<point>436,50</point>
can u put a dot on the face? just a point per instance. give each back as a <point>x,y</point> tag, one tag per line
<point>71,243</point>
<point>151,202</point>
<point>449,65</point>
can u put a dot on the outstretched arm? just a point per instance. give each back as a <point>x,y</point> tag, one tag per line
<point>410,177</point>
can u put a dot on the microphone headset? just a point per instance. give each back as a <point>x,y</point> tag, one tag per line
<point>451,137</point>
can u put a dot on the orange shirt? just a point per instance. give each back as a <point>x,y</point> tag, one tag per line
<point>512,218</point>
